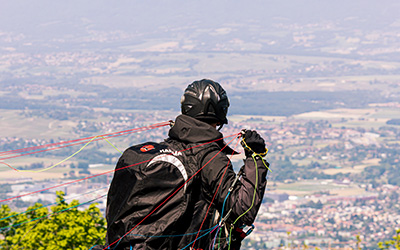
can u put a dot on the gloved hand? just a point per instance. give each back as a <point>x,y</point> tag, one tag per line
<point>253,142</point>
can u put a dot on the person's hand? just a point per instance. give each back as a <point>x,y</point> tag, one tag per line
<point>252,142</point>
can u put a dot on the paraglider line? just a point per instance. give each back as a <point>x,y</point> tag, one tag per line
<point>169,197</point>
<point>81,141</point>
<point>215,194</point>
<point>156,125</point>
<point>100,174</point>
<point>63,210</point>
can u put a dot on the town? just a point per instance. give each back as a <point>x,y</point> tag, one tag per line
<point>331,180</point>
<point>320,84</point>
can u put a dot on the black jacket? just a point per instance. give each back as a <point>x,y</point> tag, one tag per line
<point>182,224</point>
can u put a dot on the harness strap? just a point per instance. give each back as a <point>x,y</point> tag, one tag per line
<point>229,191</point>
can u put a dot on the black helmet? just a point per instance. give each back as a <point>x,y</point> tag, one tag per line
<point>205,100</point>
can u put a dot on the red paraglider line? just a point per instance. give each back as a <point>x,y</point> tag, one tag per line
<point>52,146</point>
<point>215,194</point>
<point>8,166</point>
<point>169,197</point>
<point>100,174</point>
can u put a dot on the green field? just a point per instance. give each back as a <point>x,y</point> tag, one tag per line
<point>306,188</point>
<point>254,71</point>
<point>15,124</point>
<point>373,117</point>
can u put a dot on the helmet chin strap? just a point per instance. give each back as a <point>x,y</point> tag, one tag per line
<point>220,126</point>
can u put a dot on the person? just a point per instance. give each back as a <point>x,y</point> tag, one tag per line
<point>216,203</point>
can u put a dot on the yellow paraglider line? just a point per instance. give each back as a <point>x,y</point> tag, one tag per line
<point>69,157</point>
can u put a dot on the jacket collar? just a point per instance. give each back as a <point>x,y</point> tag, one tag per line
<point>190,130</point>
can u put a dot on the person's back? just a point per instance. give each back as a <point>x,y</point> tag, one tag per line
<point>173,195</point>
<point>162,207</point>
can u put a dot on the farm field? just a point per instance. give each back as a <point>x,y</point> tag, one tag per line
<point>250,71</point>
<point>58,173</point>
<point>14,124</point>
<point>307,188</point>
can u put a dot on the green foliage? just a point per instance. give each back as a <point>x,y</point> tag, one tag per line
<point>312,204</point>
<point>391,244</point>
<point>393,122</point>
<point>63,227</point>
<point>285,169</point>
<point>384,173</point>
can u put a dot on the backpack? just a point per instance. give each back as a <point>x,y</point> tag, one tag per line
<point>150,194</point>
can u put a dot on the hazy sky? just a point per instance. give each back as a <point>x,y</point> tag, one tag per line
<point>43,17</point>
